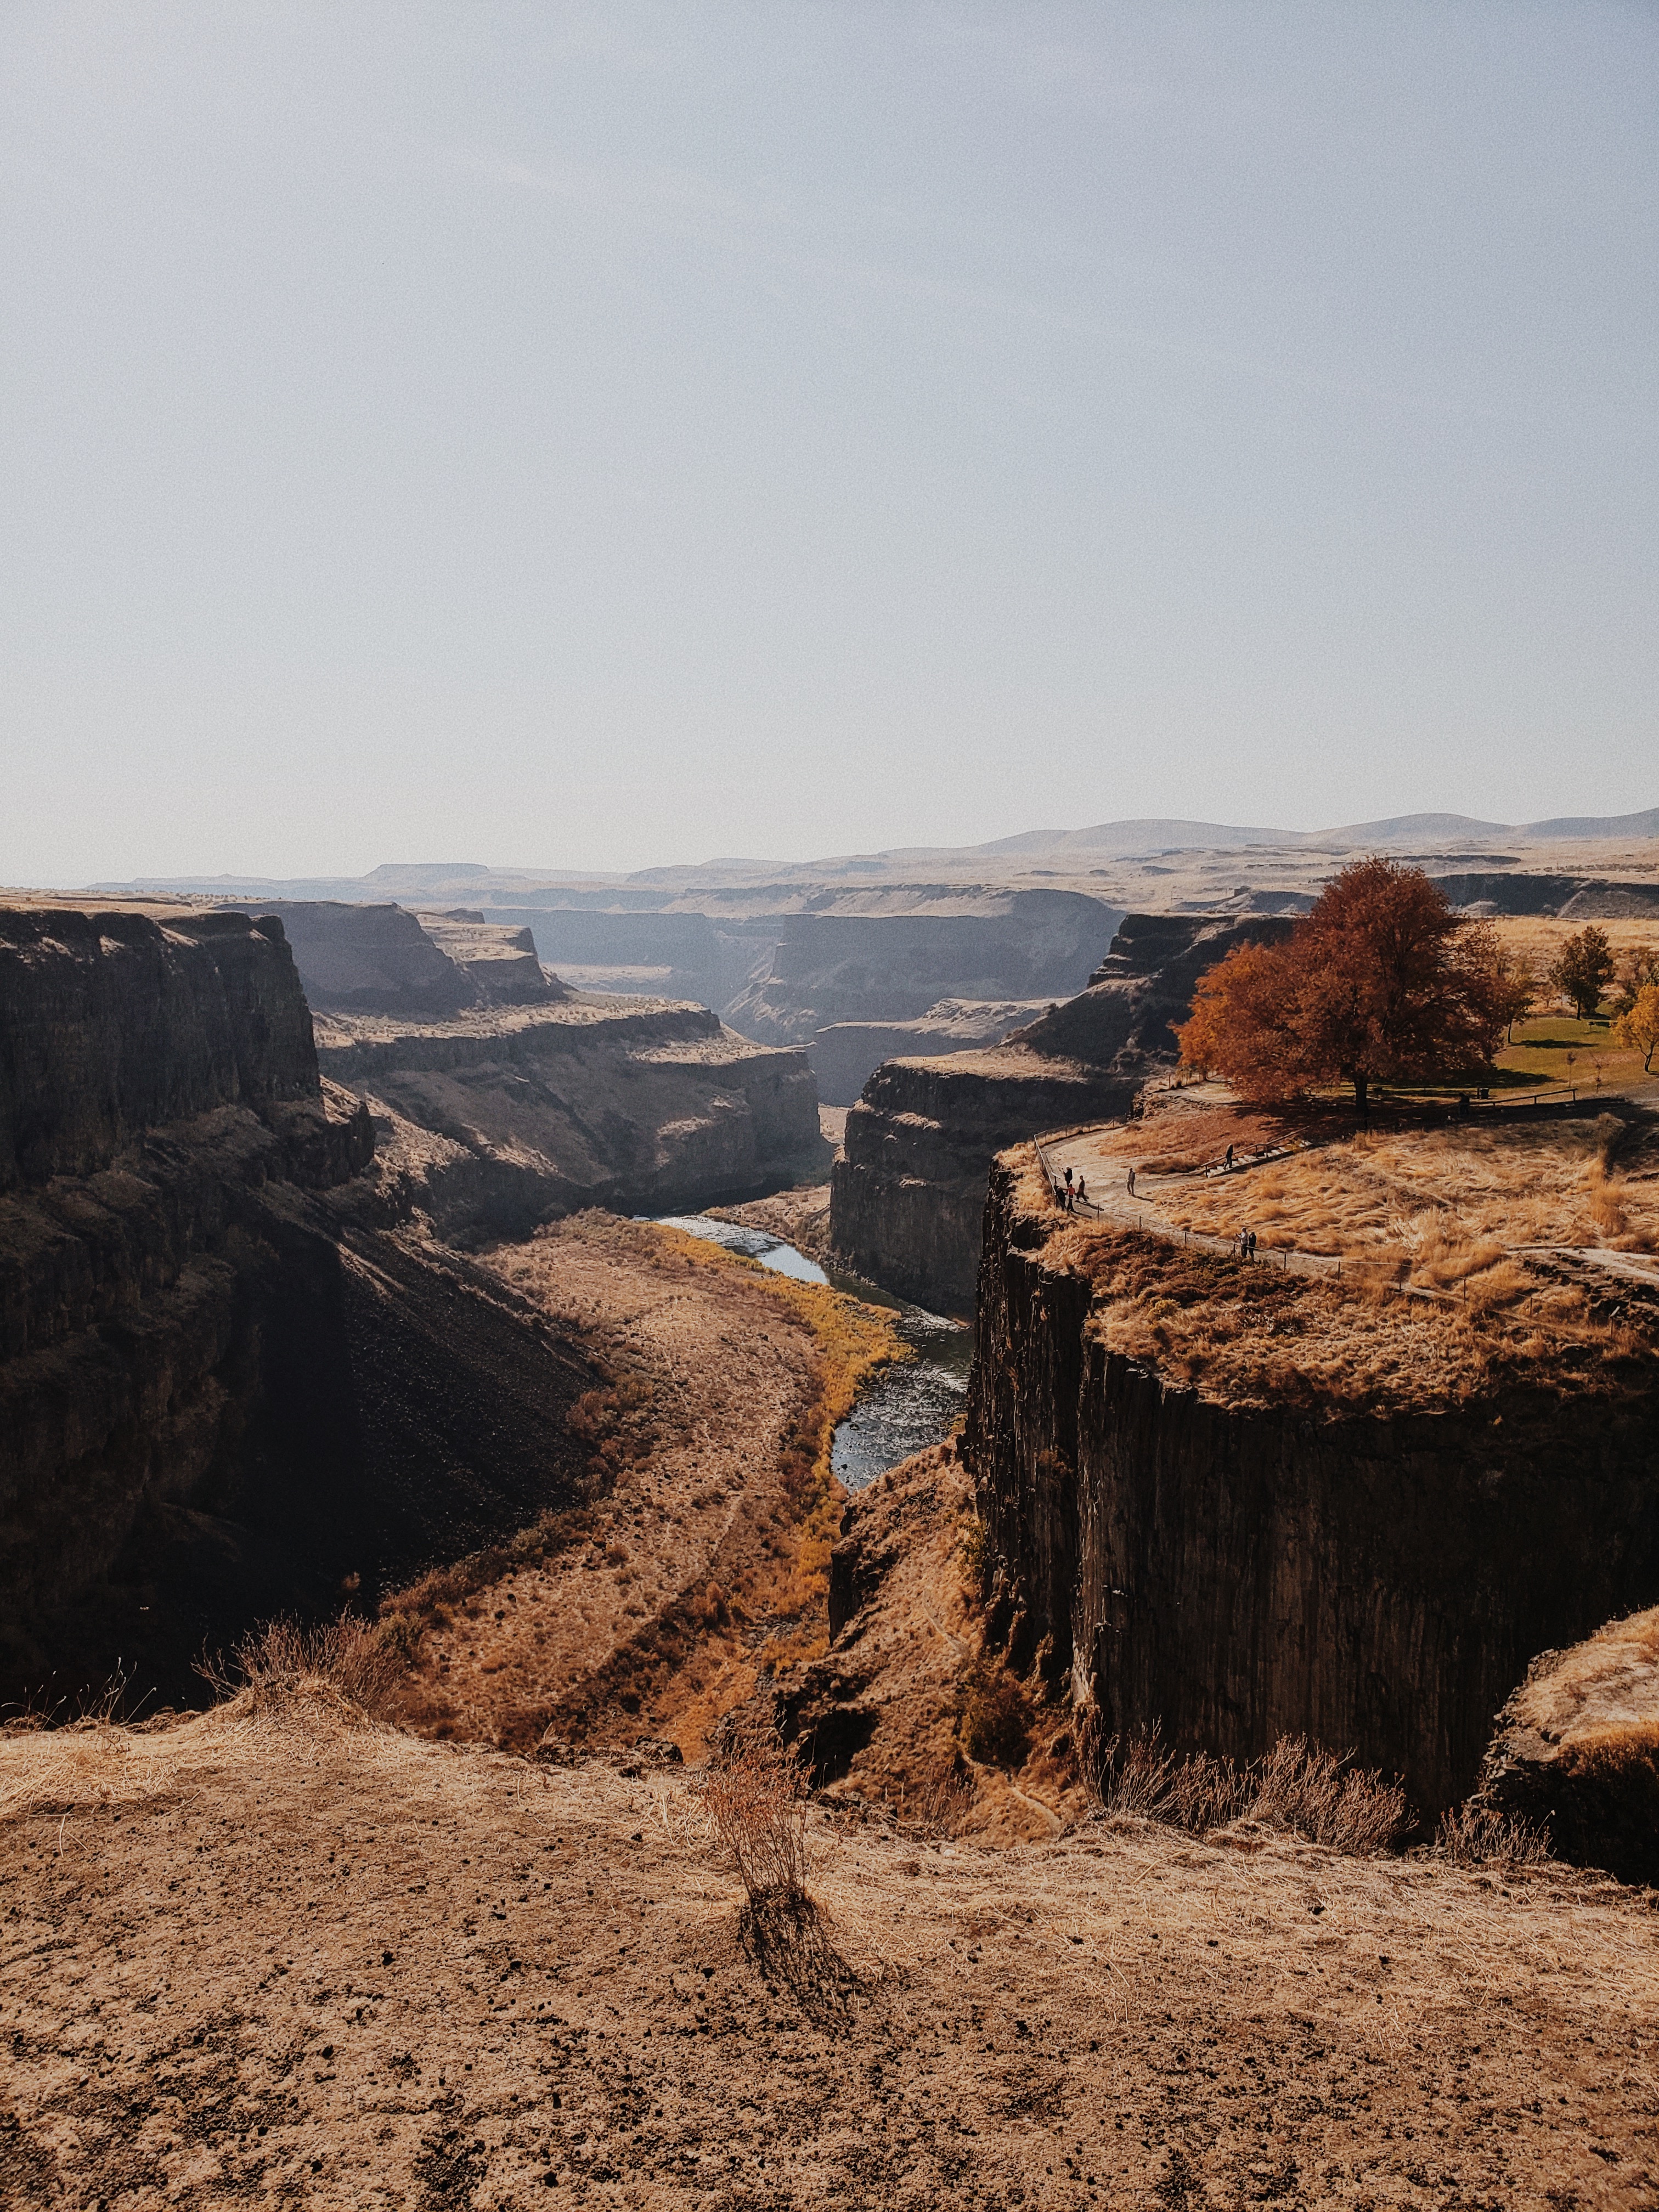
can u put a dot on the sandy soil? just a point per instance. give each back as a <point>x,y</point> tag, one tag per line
<point>287,1960</point>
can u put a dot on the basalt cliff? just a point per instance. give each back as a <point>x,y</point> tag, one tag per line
<point>1376,1578</point>
<point>908,1197</point>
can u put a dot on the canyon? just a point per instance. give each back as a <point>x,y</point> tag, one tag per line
<point>246,1363</point>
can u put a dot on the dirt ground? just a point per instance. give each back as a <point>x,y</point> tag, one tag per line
<point>289,1959</point>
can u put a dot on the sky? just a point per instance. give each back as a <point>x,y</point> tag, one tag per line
<point>602,436</point>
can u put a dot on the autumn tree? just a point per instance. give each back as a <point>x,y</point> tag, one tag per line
<point>1637,1029</point>
<point>1583,970</point>
<point>1639,966</point>
<point>1381,982</point>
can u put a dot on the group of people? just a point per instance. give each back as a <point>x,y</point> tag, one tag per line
<point>1069,1196</point>
<point>1247,1244</point>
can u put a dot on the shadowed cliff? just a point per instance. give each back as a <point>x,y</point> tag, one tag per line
<point>226,1385</point>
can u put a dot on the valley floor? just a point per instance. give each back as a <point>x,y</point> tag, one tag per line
<point>288,1957</point>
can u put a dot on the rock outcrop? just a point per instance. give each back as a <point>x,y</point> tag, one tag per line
<point>230,1375</point>
<point>1374,1581</point>
<point>496,1120</point>
<point>500,962</point>
<point>908,1197</point>
<point>845,1054</point>
<point>1577,1751</point>
<point>834,968</point>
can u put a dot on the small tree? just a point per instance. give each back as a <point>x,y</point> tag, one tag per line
<point>1515,982</point>
<point>1639,966</point>
<point>1381,980</point>
<point>1638,1030</point>
<point>1583,970</point>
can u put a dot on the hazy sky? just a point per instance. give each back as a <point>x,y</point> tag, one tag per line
<point>605,435</point>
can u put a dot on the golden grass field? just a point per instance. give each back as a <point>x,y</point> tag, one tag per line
<point>1447,1210</point>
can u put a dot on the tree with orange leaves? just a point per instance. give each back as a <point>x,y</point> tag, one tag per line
<point>1381,982</point>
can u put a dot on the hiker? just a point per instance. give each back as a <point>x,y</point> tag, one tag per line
<point>1230,1160</point>
<point>1253,1243</point>
<point>1068,1178</point>
<point>1082,1191</point>
<point>1132,1183</point>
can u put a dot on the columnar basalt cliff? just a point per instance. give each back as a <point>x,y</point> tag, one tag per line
<point>1377,1581</point>
<point>230,1376</point>
<point>908,1197</point>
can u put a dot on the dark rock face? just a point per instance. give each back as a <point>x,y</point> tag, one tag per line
<point>1126,1018</point>
<point>223,1389</point>
<point>908,1197</point>
<point>110,1022</point>
<point>1377,1584</point>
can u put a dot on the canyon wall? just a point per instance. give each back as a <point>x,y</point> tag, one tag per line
<point>1378,1583</point>
<point>500,1119</point>
<point>231,1373</point>
<point>831,967</point>
<point>908,1196</point>
<point>845,1054</point>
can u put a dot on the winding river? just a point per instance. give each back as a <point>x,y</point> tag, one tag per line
<point>907,1407</point>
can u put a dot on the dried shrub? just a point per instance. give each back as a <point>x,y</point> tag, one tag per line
<point>1318,1793</point>
<point>349,1659</point>
<point>1296,1785</point>
<point>1475,1835</point>
<point>756,1796</point>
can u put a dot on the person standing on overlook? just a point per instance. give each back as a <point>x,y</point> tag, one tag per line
<point>1132,1183</point>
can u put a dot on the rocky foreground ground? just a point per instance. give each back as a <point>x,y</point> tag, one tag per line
<point>287,1956</point>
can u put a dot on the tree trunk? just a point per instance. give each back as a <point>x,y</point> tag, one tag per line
<point>1359,1098</point>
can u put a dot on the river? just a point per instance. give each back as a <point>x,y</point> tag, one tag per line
<point>906,1407</point>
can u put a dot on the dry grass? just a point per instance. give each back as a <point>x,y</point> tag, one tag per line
<point>1446,1203</point>
<point>1252,1336</point>
<point>285,1661</point>
<point>1475,1835</point>
<point>1296,1787</point>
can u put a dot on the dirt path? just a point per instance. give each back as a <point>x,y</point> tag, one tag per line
<point>272,1962</point>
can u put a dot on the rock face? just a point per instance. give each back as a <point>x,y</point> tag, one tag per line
<point>836,968</point>
<point>1377,1584</point>
<point>500,962</point>
<point>371,959</point>
<point>1577,1750</point>
<point>908,1197</point>
<point>845,1054</point>
<point>110,1025</point>
<point>494,1121</point>
<point>230,1376</point>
